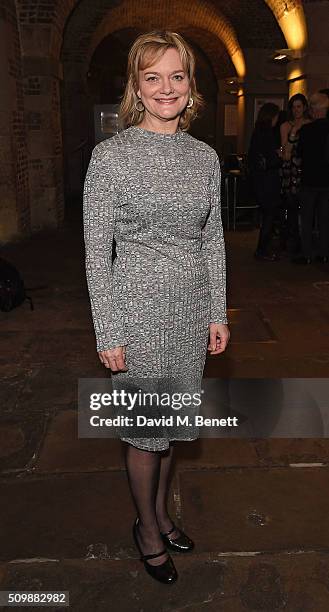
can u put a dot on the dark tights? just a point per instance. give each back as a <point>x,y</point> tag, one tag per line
<point>148,476</point>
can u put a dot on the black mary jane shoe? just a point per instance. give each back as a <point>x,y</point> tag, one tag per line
<point>166,572</point>
<point>181,544</point>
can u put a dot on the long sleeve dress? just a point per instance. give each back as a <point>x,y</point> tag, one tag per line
<point>158,196</point>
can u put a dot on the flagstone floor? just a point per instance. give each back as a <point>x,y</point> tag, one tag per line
<point>257,508</point>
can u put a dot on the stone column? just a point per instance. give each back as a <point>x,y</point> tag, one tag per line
<point>78,125</point>
<point>42,76</point>
<point>241,121</point>
<point>14,186</point>
<point>316,61</point>
<point>317,71</point>
<point>296,77</point>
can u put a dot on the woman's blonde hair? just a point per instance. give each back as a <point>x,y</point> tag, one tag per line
<point>146,49</point>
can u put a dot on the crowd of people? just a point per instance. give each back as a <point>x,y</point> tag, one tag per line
<point>289,166</point>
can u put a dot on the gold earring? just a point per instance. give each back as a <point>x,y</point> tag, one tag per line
<point>190,103</point>
<point>140,110</point>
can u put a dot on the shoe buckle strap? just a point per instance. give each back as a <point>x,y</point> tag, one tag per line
<point>169,532</point>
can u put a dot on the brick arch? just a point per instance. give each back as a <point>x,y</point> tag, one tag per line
<point>56,15</point>
<point>291,19</point>
<point>203,16</point>
<point>279,7</point>
<point>45,24</point>
<point>213,48</point>
<point>202,41</point>
<point>137,14</point>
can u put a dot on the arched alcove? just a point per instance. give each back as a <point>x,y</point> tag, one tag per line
<point>86,40</point>
<point>57,40</point>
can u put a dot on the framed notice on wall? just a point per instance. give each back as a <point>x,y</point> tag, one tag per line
<point>106,121</point>
<point>109,123</point>
<point>259,102</point>
<point>230,120</point>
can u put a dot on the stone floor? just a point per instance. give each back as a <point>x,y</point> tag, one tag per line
<point>257,508</point>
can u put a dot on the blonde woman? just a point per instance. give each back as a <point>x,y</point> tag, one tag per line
<point>155,189</point>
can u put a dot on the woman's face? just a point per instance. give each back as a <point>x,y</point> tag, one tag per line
<point>164,86</point>
<point>298,109</point>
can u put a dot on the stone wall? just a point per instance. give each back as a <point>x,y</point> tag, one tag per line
<point>42,73</point>
<point>14,180</point>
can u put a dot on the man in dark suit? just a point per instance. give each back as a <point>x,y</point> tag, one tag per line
<point>313,149</point>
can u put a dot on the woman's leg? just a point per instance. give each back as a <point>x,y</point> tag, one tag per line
<point>292,224</point>
<point>268,197</point>
<point>164,521</point>
<point>269,210</point>
<point>143,471</point>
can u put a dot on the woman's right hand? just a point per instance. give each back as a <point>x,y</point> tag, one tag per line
<point>115,359</point>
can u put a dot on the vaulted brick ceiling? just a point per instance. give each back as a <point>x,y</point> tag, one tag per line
<point>204,43</point>
<point>252,20</point>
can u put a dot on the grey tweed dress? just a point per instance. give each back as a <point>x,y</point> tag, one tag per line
<point>158,196</point>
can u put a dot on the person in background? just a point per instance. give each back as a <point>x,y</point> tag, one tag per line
<point>280,222</point>
<point>264,163</point>
<point>282,118</point>
<point>298,115</point>
<point>313,151</point>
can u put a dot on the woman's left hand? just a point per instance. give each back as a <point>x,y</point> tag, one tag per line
<point>219,335</point>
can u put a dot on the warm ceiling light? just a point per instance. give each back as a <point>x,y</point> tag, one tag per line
<point>235,80</point>
<point>280,57</point>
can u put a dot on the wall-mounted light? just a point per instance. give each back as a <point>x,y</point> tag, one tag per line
<point>296,75</point>
<point>297,82</point>
<point>235,84</point>
<point>234,80</point>
<point>286,55</point>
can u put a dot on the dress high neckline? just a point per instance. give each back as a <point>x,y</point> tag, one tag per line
<point>157,135</point>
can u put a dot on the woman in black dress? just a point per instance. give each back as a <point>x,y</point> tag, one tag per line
<point>291,167</point>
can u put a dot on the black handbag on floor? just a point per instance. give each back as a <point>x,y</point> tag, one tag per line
<point>12,289</point>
